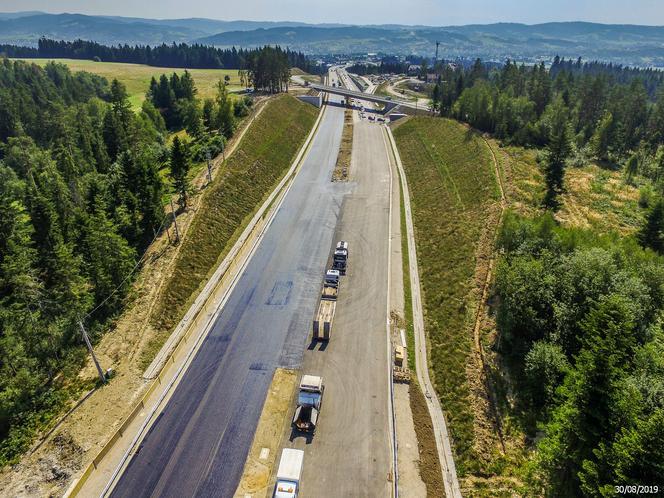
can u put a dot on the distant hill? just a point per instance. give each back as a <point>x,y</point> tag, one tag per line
<point>28,29</point>
<point>626,44</point>
<point>16,15</point>
<point>25,28</point>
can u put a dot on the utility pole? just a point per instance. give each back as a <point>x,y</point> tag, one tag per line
<point>437,45</point>
<point>207,155</point>
<point>175,222</point>
<point>92,353</point>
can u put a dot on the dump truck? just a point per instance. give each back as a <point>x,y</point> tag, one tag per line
<point>289,473</point>
<point>328,304</point>
<point>323,320</point>
<point>340,259</point>
<point>309,401</point>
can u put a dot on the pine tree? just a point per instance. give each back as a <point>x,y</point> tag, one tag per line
<point>225,121</point>
<point>652,232</point>
<point>600,142</point>
<point>109,260</point>
<point>180,165</point>
<point>558,151</point>
<point>586,419</point>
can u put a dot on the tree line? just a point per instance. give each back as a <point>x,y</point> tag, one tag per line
<point>595,111</point>
<point>180,55</point>
<point>81,198</point>
<point>580,320</point>
<point>267,69</point>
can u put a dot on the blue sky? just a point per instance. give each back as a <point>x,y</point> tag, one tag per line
<point>430,12</point>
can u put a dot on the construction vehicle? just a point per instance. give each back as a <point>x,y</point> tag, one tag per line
<point>323,320</point>
<point>309,401</point>
<point>340,257</point>
<point>332,278</point>
<point>328,304</point>
<point>289,473</point>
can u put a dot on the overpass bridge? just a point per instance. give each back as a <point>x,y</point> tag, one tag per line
<point>390,104</point>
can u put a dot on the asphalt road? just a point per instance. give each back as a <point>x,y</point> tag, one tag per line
<point>349,455</point>
<point>198,444</point>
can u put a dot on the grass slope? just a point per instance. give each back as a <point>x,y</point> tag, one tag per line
<point>136,77</point>
<point>452,185</point>
<point>248,176</point>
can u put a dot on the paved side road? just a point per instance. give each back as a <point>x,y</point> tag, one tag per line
<point>350,453</point>
<point>199,443</point>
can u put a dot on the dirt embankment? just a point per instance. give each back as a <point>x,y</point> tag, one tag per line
<point>262,456</point>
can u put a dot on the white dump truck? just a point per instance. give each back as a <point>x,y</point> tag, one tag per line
<point>289,473</point>
<point>309,401</point>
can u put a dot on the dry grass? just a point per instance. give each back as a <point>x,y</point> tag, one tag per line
<point>247,178</point>
<point>523,180</point>
<point>600,199</point>
<point>429,464</point>
<point>594,197</point>
<point>342,167</point>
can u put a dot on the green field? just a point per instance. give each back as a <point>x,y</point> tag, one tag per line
<point>249,175</point>
<point>453,191</point>
<point>136,77</point>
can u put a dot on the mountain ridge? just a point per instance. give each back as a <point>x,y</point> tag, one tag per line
<point>621,43</point>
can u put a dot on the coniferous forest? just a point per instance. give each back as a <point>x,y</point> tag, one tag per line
<point>81,198</point>
<point>179,55</point>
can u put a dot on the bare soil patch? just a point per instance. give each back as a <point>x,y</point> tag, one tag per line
<point>429,464</point>
<point>255,479</point>
<point>342,167</point>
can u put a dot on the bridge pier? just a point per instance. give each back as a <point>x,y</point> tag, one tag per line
<point>389,107</point>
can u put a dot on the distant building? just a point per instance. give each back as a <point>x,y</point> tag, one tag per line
<point>413,69</point>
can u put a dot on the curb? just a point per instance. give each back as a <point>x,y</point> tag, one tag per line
<point>185,327</point>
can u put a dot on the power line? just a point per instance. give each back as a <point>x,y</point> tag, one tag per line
<point>124,280</point>
<point>102,377</point>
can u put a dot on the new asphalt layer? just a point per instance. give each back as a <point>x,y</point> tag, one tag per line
<point>198,444</point>
<point>349,454</point>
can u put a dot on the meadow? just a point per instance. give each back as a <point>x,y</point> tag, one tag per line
<point>136,77</point>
